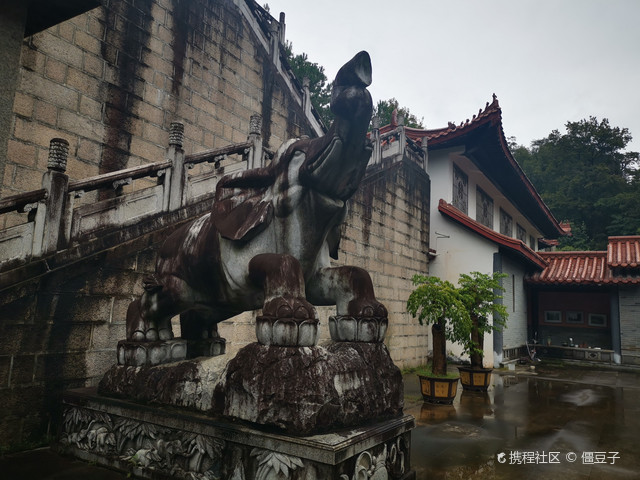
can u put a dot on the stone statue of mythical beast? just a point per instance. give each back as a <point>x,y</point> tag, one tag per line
<point>267,241</point>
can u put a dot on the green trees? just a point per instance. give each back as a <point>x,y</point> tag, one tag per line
<point>586,177</point>
<point>384,109</point>
<point>479,293</point>
<point>459,314</point>
<point>318,87</point>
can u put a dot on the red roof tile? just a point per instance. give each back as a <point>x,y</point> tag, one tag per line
<point>624,252</point>
<point>579,268</point>
<point>491,112</point>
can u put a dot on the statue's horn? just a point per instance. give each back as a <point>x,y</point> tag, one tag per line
<point>356,71</point>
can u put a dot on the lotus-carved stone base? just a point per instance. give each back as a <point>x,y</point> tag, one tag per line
<point>151,353</point>
<point>287,332</point>
<point>344,328</point>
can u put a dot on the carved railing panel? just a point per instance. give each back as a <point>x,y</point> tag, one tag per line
<point>55,219</point>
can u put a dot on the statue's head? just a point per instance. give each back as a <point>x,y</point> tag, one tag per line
<point>350,98</point>
<point>338,167</point>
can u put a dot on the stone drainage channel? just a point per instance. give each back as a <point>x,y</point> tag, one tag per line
<point>551,422</point>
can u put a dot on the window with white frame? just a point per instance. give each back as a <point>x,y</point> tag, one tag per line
<point>597,320</point>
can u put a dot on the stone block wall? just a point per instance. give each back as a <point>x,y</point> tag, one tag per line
<point>110,82</point>
<point>387,233</point>
<point>59,331</point>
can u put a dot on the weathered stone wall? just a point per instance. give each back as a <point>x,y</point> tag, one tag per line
<point>110,82</point>
<point>387,234</point>
<point>59,330</point>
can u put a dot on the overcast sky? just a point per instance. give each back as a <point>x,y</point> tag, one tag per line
<point>548,61</point>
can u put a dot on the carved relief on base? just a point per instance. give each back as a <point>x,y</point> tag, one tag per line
<point>183,455</point>
<point>389,463</point>
<point>193,448</point>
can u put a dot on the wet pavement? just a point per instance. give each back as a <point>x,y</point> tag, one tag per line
<point>552,423</point>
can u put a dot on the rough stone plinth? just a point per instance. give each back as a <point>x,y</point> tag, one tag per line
<point>312,389</point>
<point>154,442</point>
<point>188,384</point>
<point>300,390</point>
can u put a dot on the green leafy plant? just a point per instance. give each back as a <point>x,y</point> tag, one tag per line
<point>438,303</point>
<point>458,314</point>
<point>479,293</point>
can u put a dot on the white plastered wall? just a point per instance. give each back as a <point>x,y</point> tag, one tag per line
<point>459,250</point>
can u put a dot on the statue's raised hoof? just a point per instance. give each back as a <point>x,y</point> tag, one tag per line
<point>288,321</point>
<point>367,308</point>
<point>288,306</point>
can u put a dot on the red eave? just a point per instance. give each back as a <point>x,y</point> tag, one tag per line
<point>513,244</point>
<point>624,252</point>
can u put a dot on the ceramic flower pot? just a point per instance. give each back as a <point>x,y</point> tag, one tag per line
<point>437,390</point>
<point>475,379</point>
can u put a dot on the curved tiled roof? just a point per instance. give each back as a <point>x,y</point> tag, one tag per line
<point>493,158</point>
<point>624,252</point>
<point>491,112</point>
<point>589,268</point>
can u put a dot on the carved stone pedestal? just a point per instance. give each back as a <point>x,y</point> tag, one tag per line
<point>151,353</point>
<point>160,442</point>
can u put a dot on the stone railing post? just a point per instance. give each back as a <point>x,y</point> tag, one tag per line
<point>376,155</point>
<point>402,135</point>
<point>255,158</point>
<point>425,152</point>
<point>177,178</point>
<point>306,96</point>
<point>48,219</point>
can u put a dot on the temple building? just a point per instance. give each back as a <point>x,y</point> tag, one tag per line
<point>585,305</point>
<point>485,215</point>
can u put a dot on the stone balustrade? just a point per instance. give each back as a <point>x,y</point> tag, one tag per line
<point>55,218</point>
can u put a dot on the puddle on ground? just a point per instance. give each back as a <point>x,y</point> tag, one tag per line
<point>527,427</point>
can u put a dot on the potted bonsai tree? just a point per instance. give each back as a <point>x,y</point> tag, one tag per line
<point>438,303</point>
<point>479,293</point>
